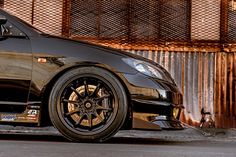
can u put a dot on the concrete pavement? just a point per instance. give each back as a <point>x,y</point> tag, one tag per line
<point>188,134</point>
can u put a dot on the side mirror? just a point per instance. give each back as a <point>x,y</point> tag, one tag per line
<point>3,21</point>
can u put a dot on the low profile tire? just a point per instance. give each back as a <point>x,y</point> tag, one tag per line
<point>88,104</point>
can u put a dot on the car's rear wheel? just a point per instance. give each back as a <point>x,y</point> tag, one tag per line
<point>88,104</point>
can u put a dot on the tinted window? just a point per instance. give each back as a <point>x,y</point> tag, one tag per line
<point>11,30</point>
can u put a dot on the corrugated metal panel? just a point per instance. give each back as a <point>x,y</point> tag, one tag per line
<point>225,90</point>
<point>194,75</point>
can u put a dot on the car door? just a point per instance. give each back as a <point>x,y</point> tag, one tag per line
<point>15,66</point>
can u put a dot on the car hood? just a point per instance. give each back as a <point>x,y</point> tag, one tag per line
<point>95,46</point>
<point>86,52</point>
<point>105,49</point>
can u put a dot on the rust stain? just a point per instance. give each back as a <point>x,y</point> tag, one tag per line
<point>234,87</point>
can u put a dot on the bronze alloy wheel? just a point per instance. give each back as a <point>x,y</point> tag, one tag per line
<point>88,104</point>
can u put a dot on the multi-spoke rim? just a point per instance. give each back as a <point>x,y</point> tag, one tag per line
<point>88,104</point>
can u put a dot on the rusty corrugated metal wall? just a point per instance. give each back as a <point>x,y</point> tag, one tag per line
<point>193,39</point>
<point>225,89</point>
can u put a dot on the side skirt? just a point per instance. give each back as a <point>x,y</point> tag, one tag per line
<point>24,113</point>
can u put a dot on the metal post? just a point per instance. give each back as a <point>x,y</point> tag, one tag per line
<point>66,18</point>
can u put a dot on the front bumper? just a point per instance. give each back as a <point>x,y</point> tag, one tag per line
<point>152,98</point>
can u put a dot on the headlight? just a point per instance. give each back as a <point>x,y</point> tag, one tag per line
<point>147,69</point>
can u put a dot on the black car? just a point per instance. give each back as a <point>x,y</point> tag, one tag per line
<point>86,91</point>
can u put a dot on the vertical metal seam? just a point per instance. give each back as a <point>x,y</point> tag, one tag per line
<point>32,14</point>
<point>190,20</point>
<point>2,3</point>
<point>223,21</point>
<point>98,17</point>
<point>66,18</point>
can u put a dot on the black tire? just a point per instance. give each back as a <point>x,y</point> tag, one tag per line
<point>88,104</point>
